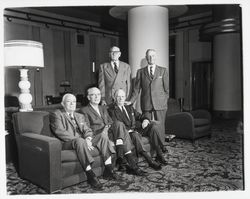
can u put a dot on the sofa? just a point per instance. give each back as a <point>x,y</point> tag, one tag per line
<point>41,159</point>
<point>187,124</point>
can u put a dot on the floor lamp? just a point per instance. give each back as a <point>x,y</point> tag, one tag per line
<point>23,54</point>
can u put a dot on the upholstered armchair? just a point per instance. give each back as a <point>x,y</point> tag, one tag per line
<point>41,158</point>
<point>188,125</point>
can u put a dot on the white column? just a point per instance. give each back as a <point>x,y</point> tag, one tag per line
<point>227,72</point>
<point>147,28</point>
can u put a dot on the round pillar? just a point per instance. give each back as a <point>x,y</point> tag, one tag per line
<point>224,31</point>
<point>227,74</point>
<point>147,29</point>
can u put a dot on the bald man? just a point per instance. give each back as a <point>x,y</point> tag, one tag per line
<point>73,130</point>
<point>112,76</point>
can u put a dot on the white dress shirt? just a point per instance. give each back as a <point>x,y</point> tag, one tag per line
<point>125,111</point>
<point>153,69</point>
<point>113,65</point>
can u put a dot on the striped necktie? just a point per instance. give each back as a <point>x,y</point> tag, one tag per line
<point>151,72</point>
<point>72,118</point>
<point>115,68</point>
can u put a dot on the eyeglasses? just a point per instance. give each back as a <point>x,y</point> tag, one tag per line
<point>95,94</point>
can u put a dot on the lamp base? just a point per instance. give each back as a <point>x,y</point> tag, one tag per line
<point>25,98</point>
<point>26,108</point>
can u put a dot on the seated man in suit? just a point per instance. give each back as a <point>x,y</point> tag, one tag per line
<point>138,125</point>
<point>99,119</point>
<point>73,130</point>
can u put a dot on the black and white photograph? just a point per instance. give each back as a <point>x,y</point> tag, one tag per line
<point>125,99</point>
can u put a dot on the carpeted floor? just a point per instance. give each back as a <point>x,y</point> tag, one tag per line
<point>214,164</point>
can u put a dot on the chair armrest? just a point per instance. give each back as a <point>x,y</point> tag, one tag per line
<point>201,114</point>
<point>40,160</point>
<point>180,124</point>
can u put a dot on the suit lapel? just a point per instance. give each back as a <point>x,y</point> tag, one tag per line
<point>101,109</point>
<point>94,111</point>
<point>110,70</point>
<point>145,70</point>
<point>70,121</point>
<point>122,116</point>
<point>157,72</point>
<point>77,119</point>
<point>129,111</point>
<point>118,76</point>
<point>67,117</point>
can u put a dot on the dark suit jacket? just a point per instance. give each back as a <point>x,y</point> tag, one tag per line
<point>154,92</point>
<point>135,118</point>
<point>96,122</point>
<point>109,81</point>
<point>63,127</point>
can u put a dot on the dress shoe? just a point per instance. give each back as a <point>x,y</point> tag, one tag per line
<point>136,171</point>
<point>110,174</point>
<point>164,149</point>
<point>93,180</point>
<point>161,160</point>
<point>95,183</point>
<point>156,166</point>
<point>121,164</point>
<point>122,167</point>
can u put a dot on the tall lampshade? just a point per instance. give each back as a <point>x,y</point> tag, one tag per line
<point>24,54</point>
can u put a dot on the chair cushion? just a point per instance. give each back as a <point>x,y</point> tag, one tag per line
<point>38,122</point>
<point>70,155</point>
<point>201,122</point>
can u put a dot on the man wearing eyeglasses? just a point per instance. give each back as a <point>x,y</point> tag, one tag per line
<point>112,76</point>
<point>100,122</point>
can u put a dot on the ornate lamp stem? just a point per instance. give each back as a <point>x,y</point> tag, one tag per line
<point>25,98</point>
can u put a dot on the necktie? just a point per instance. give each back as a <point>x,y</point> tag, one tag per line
<point>77,130</point>
<point>72,118</point>
<point>115,68</point>
<point>151,72</point>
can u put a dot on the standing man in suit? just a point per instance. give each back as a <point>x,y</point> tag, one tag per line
<point>113,75</point>
<point>137,126</point>
<point>98,118</point>
<point>73,130</point>
<point>152,81</point>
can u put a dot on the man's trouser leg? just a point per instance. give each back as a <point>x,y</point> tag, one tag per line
<point>82,152</point>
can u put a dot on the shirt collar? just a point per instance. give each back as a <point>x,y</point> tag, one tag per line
<point>153,65</point>
<point>117,63</point>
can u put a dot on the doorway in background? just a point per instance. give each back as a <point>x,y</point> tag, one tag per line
<point>201,85</point>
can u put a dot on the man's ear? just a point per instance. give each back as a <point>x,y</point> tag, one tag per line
<point>88,97</point>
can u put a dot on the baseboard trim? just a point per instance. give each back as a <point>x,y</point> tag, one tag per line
<point>227,114</point>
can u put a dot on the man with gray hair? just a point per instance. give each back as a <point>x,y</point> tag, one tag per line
<point>138,125</point>
<point>113,75</point>
<point>73,130</point>
<point>99,119</point>
<point>152,82</point>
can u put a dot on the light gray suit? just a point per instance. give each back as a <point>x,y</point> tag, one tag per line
<point>73,136</point>
<point>109,81</point>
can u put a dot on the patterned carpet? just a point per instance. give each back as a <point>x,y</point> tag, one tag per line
<point>211,164</point>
